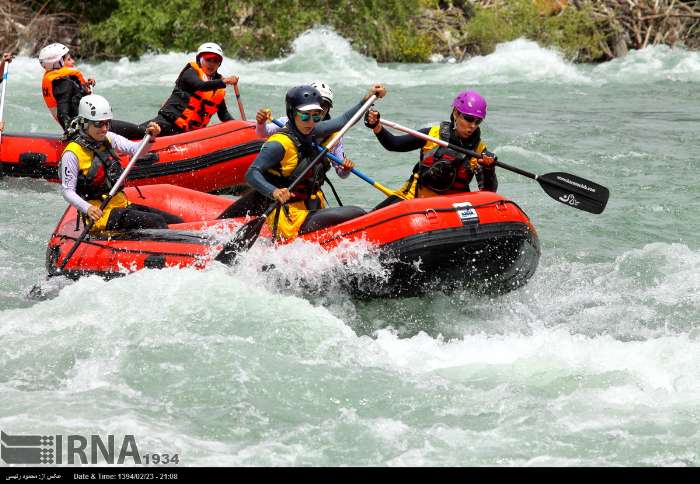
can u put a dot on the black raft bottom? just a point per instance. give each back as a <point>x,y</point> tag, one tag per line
<point>490,259</point>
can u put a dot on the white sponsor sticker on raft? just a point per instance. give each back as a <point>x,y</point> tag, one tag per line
<point>466,213</point>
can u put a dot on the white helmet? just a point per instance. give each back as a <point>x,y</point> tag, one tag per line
<point>210,47</point>
<point>325,90</point>
<point>52,54</point>
<point>94,108</point>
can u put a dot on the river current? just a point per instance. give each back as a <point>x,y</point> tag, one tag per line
<point>594,362</point>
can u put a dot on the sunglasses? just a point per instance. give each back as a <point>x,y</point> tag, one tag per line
<point>100,124</point>
<point>307,116</point>
<point>470,119</point>
<point>213,60</point>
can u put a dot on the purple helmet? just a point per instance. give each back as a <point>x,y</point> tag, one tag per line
<point>471,103</point>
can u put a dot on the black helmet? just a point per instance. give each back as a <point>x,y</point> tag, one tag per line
<point>302,98</point>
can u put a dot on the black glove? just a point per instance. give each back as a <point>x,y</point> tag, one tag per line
<point>490,165</point>
<point>371,126</point>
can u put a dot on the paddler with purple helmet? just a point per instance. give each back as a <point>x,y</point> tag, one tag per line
<point>442,171</point>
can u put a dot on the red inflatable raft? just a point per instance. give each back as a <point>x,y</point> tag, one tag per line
<point>474,240</point>
<point>208,159</point>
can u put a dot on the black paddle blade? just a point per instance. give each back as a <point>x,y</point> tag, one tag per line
<point>575,191</point>
<point>243,239</point>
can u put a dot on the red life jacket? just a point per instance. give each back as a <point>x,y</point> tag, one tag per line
<point>443,169</point>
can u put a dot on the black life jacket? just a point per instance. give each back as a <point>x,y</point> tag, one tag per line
<point>314,178</point>
<point>105,169</point>
<point>443,169</point>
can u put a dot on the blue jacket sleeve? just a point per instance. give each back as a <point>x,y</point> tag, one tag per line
<point>270,155</point>
<point>401,143</point>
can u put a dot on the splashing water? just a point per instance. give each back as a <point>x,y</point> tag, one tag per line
<point>273,362</point>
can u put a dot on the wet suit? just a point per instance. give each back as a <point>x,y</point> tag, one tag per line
<point>187,83</point>
<point>255,201</point>
<point>405,143</point>
<point>68,94</point>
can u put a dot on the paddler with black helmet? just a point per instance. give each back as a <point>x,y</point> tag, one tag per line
<point>285,154</point>
<point>266,128</point>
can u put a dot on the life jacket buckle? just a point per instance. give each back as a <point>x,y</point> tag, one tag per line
<point>431,215</point>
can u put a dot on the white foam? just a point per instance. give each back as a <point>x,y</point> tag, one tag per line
<point>652,64</point>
